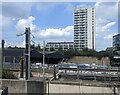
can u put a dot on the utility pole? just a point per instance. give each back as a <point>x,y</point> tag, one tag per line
<point>27,52</point>
<point>43,60</point>
<point>3,42</point>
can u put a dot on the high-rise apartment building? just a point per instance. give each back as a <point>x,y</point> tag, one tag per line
<point>116,38</point>
<point>116,42</point>
<point>84,28</point>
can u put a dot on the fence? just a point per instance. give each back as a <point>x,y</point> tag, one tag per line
<point>102,74</point>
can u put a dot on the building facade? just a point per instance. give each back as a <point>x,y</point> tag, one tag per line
<point>84,28</point>
<point>59,45</point>
<point>116,49</point>
<point>116,42</point>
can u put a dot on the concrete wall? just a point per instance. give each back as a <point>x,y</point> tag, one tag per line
<point>88,60</point>
<point>23,86</point>
<point>40,87</point>
<point>77,89</point>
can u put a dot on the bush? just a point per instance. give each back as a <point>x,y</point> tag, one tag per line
<point>8,75</point>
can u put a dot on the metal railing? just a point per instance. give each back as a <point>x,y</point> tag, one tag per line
<point>106,74</point>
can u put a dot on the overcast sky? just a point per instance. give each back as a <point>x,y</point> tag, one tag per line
<point>54,21</point>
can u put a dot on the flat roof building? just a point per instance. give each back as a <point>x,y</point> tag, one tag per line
<point>59,45</point>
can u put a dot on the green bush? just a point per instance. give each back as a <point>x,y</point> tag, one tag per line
<point>8,75</point>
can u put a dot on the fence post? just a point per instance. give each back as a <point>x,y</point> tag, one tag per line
<point>54,72</point>
<point>22,68</point>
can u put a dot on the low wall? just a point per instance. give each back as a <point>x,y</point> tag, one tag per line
<point>24,86</point>
<point>77,88</point>
<point>81,89</point>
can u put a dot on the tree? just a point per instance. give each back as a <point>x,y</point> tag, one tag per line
<point>85,52</point>
<point>88,52</point>
<point>32,46</point>
<point>15,47</point>
<point>38,47</point>
<point>51,49</point>
<point>68,53</point>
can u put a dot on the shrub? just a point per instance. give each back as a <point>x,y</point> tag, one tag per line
<point>8,75</point>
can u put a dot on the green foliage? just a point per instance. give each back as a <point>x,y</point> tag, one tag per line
<point>51,49</point>
<point>69,53</point>
<point>8,75</point>
<point>86,52</point>
<point>36,47</point>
